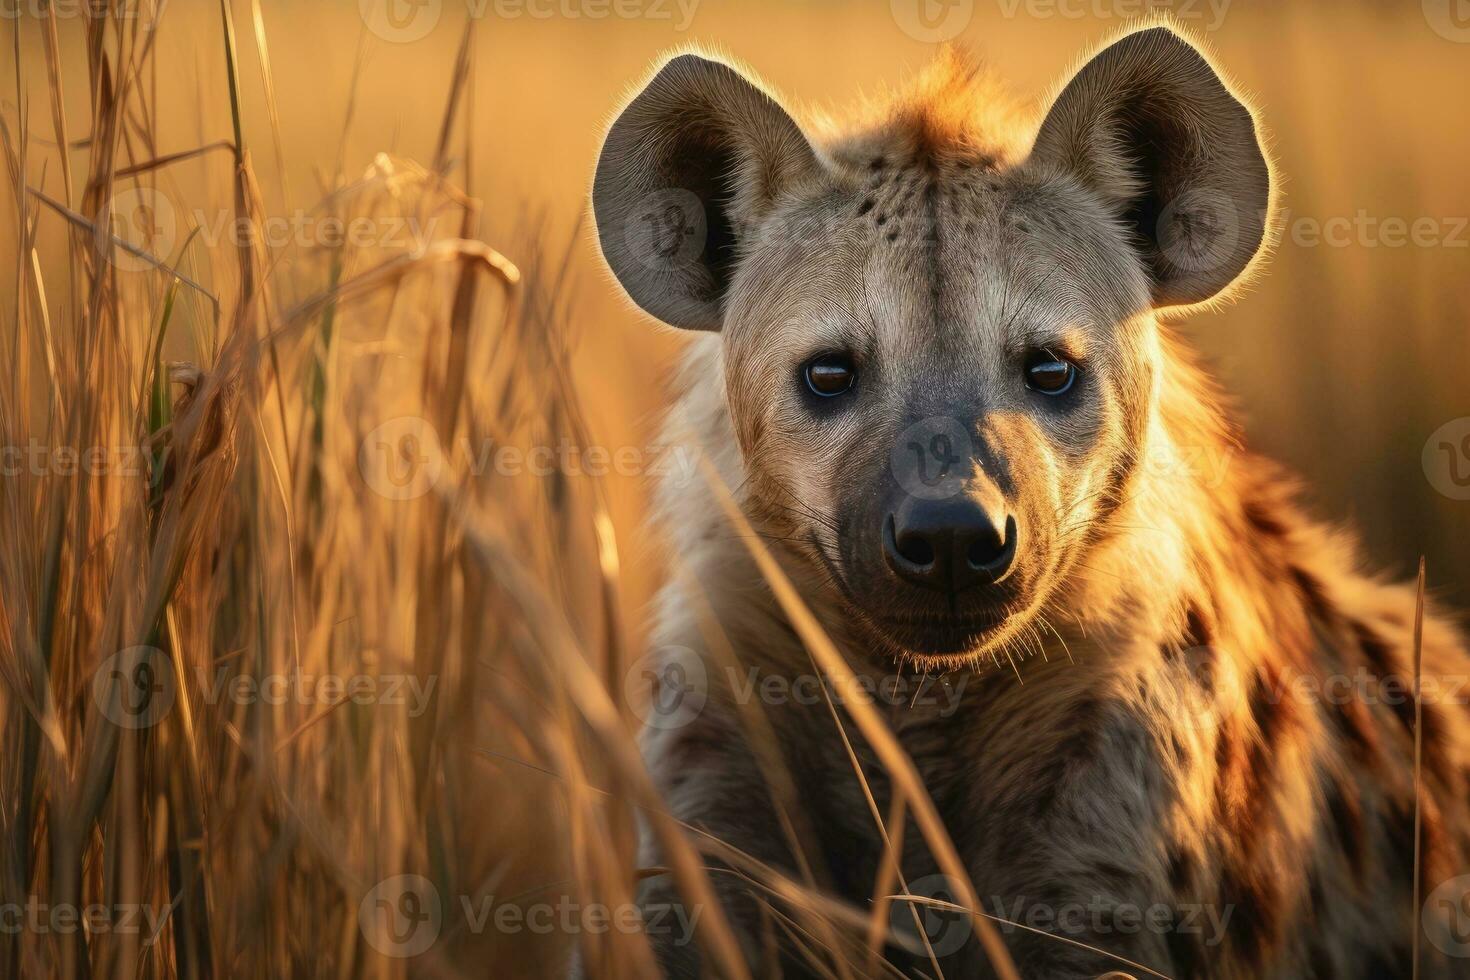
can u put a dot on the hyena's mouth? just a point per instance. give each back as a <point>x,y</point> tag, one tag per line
<point>943,635</point>
<point>957,628</point>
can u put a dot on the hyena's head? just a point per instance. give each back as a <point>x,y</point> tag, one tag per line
<point>940,355</point>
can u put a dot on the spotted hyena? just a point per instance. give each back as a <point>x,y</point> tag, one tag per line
<point>1173,718</point>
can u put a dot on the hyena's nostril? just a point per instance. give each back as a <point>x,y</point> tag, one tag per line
<point>915,548</point>
<point>950,544</point>
<point>993,553</point>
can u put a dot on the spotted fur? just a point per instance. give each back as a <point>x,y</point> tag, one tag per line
<point>1188,705</point>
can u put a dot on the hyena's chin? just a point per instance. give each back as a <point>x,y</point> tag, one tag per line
<point>939,643</point>
<point>940,633</point>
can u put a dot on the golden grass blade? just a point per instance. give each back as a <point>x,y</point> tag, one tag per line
<point>128,247</point>
<point>888,873</point>
<point>452,250</point>
<point>1418,764</point>
<point>183,156</point>
<point>267,81</point>
<point>457,86</point>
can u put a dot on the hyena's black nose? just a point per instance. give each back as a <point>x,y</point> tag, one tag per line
<point>950,544</point>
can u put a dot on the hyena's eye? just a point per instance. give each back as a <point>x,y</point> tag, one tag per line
<point>829,375</point>
<point>1048,373</point>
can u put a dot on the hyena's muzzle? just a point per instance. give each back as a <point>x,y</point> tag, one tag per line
<point>937,550</point>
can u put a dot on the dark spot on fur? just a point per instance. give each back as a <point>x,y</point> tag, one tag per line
<point>1313,595</point>
<point>882,220</point>
<point>1177,750</point>
<point>1375,966</point>
<point>1265,520</point>
<point>1352,721</point>
<point>1186,953</point>
<point>1346,814</point>
<point>1271,706</point>
<point>893,236</point>
<point>1181,872</point>
<point>1434,850</point>
<point>1375,649</point>
<point>1197,629</point>
<point>876,163</point>
<point>1395,689</point>
<point>1320,964</point>
<point>865,207</point>
<point>1437,750</point>
<point>1253,897</point>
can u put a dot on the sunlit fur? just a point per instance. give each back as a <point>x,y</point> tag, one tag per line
<point>1137,731</point>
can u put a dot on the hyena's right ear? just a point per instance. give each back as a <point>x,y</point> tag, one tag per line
<point>690,167</point>
<point>1150,126</point>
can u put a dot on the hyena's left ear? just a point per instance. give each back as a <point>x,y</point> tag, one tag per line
<point>1149,126</point>
<point>687,172</point>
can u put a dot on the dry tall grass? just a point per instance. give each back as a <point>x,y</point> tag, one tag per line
<point>195,549</point>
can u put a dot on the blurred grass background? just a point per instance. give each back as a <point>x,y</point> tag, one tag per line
<point>1343,357</point>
